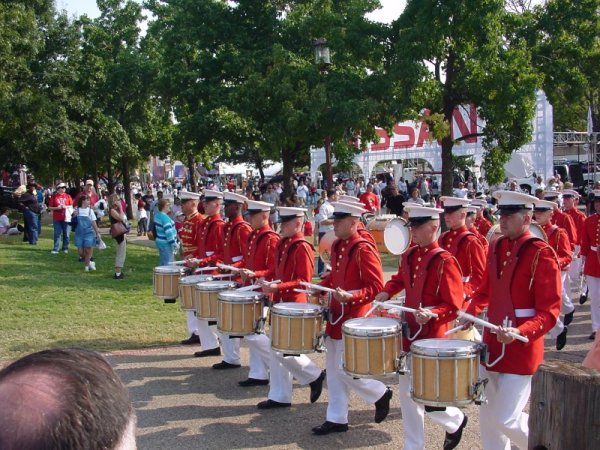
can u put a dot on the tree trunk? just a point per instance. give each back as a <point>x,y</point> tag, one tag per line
<point>564,407</point>
<point>127,186</point>
<point>109,174</point>
<point>288,157</point>
<point>192,169</point>
<point>447,166</point>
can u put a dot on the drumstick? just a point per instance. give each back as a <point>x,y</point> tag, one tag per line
<point>178,263</point>
<point>491,326</point>
<point>204,269</point>
<point>406,309</point>
<point>255,286</point>
<point>226,267</point>
<point>453,330</point>
<point>318,287</point>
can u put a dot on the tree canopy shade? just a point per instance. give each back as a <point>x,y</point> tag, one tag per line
<point>447,53</point>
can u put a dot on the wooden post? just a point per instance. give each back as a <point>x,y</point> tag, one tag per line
<point>564,411</point>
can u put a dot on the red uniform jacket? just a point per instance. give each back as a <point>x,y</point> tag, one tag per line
<point>523,282</point>
<point>471,256</point>
<point>591,238</point>
<point>559,241</point>
<point>482,240</point>
<point>564,221</point>
<point>210,240</point>
<point>294,262</point>
<point>188,234</point>
<point>432,279</point>
<point>260,253</point>
<point>356,268</point>
<point>578,218</point>
<point>483,225</point>
<point>235,241</point>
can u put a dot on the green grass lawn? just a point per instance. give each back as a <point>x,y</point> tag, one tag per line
<point>48,300</point>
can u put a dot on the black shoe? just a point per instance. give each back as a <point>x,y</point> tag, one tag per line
<point>270,404</point>
<point>316,387</point>
<point>253,382</point>
<point>330,427</point>
<point>561,339</point>
<point>225,365</point>
<point>193,339</point>
<point>212,352</point>
<point>569,318</point>
<point>20,227</point>
<point>119,277</point>
<point>583,297</point>
<point>170,300</point>
<point>453,439</point>
<point>592,336</point>
<point>382,406</point>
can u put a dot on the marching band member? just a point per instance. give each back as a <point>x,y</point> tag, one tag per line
<point>462,244</point>
<point>570,202</point>
<point>357,276</point>
<point>362,231</point>
<point>590,245</point>
<point>472,211</point>
<point>523,284</point>
<point>432,279</point>
<point>188,236</point>
<point>258,261</point>
<point>294,262</point>
<point>209,251</point>
<point>481,223</point>
<point>560,218</point>
<point>559,241</point>
<point>235,242</point>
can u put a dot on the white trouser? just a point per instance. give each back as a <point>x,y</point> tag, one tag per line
<point>413,417</point>
<point>192,323</point>
<point>594,297</point>
<point>339,384</point>
<point>231,349</point>
<point>284,370</point>
<point>566,306</point>
<point>502,420</point>
<point>207,335</point>
<point>575,269</point>
<point>260,356</point>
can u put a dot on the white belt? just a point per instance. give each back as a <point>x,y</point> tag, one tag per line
<point>528,312</point>
<point>466,279</point>
<point>210,253</point>
<point>237,258</point>
<point>594,249</point>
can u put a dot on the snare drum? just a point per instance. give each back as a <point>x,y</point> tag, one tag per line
<point>166,281</point>
<point>205,297</point>
<point>239,312</point>
<point>187,286</point>
<point>295,327</point>
<point>371,346</point>
<point>444,372</point>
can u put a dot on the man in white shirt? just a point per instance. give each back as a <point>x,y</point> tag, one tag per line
<point>324,219</point>
<point>302,192</point>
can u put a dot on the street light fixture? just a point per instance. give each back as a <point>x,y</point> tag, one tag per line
<point>323,60</point>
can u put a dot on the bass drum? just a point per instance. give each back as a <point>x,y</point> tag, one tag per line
<point>377,227</point>
<point>397,236</point>
<point>535,229</point>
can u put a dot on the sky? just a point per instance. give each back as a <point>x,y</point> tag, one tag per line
<point>391,9</point>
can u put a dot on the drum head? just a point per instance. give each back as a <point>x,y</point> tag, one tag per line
<point>396,236</point>
<point>371,326</point>
<point>168,269</point>
<point>493,234</point>
<point>240,297</point>
<point>195,279</point>
<point>216,285</point>
<point>537,230</point>
<point>444,347</point>
<point>296,309</point>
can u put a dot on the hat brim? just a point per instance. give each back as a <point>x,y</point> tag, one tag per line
<point>283,219</point>
<point>254,211</point>
<point>418,220</point>
<point>451,209</point>
<point>341,215</point>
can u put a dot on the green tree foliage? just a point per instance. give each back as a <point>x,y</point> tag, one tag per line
<point>455,52</point>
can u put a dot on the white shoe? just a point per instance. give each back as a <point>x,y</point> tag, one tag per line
<point>65,251</point>
<point>86,268</point>
<point>54,252</point>
<point>92,265</point>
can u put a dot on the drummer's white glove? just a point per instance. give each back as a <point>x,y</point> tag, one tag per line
<point>422,317</point>
<point>245,274</point>
<point>342,296</point>
<point>267,286</point>
<point>382,297</point>
<point>503,336</point>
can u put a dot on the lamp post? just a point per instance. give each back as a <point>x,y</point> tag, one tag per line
<point>323,60</point>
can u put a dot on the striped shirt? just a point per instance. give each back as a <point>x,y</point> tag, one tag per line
<point>165,230</point>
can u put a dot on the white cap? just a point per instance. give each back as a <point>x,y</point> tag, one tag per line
<point>511,200</point>
<point>342,209</point>
<point>454,203</point>
<point>232,197</point>
<point>187,195</point>
<point>479,202</point>
<point>212,195</point>
<point>570,193</point>
<point>89,182</point>
<point>288,213</point>
<point>61,185</point>
<point>551,194</point>
<point>421,214</point>
<point>256,206</point>
<point>545,205</point>
<point>352,202</point>
<point>347,198</point>
<point>472,209</point>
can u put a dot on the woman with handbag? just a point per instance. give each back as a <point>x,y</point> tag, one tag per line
<point>87,232</point>
<point>118,231</point>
